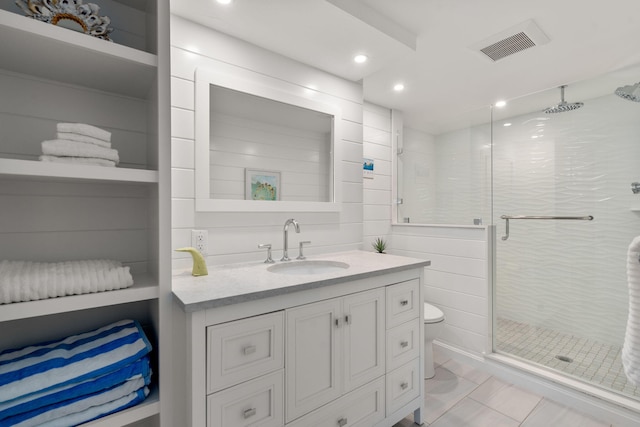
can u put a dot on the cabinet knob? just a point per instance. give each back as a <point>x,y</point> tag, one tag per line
<point>404,386</point>
<point>404,344</point>
<point>249,413</point>
<point>342,422</point>
<point>338,322</point>
<point>404,302</point>
<point>249,349</point>
<point>347,319</point>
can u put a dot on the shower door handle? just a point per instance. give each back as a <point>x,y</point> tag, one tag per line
<point>508,217</point>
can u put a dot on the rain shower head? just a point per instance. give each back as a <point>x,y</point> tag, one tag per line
<point>632,93</point>
<point>563,106</point>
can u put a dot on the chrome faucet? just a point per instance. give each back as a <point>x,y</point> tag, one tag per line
<point>285,252</point>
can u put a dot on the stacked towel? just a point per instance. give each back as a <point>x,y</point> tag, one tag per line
<point>77,379</point>
<point>631,347</point>
<point>28,280</point>
<point>80,143</point>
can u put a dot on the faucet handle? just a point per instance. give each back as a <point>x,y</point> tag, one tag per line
<point>301,256</point>
<point>269,260</point>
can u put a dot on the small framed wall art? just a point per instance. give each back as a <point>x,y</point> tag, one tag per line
<point>262,185</point>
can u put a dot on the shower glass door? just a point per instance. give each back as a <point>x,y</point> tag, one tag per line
<point>561,295</point>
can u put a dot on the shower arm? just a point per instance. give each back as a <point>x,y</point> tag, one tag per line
<point>508,217</point>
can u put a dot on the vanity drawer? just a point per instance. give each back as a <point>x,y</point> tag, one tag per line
<point>363,407</point>
<point>244,349</point>
<point>403,385</point>
<point>403,302</point>
<point>258,402</point>
<point>403,344</point>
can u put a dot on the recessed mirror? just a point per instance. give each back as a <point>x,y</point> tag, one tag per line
<point>261,148</point>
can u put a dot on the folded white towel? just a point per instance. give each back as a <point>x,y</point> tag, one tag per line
<point>70,136</point>
<point>28,280</point>
<point>78,160</point>
<point>61,147</point>
<point>631,348</point>
<point>85,129</point>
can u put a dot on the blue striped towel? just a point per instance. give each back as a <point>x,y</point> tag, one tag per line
<point>83,407</point>
<point>138,369</point>
<point>72,360</point>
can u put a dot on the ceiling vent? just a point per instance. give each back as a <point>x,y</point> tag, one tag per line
<point>513,40</point>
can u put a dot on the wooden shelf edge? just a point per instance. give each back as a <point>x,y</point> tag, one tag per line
<point>148,408</point>
<point>144,288</point>
<point>34,168</point>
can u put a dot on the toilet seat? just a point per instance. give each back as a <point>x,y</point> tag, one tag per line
<point>432,314</point>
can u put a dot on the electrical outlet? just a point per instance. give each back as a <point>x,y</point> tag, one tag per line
<point>200,240</point>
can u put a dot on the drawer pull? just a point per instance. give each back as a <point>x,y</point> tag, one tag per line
<point>249,413</point>
<point>342,422</point>
<point>404,344</point>
<point>404,302</point>
<point>249,349</point>
<point>404,386</point>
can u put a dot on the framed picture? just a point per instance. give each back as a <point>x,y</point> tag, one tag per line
<point>262,185</point>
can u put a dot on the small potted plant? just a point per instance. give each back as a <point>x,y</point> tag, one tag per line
<point>379,245</point>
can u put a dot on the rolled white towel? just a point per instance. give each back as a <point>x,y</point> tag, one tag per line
<point>631,348</point>
<point>70,136</point>
<point>78,160</point>
<point>85,129</point>
<point>62,147</point>
<point>29,281</point>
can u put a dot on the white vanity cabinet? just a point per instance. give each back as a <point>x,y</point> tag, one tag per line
<point>343,351</point>
<point>333,346</point>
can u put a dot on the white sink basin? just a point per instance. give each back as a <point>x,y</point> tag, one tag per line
<point>308,267</point>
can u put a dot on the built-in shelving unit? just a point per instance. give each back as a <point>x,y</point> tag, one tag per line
<point>60,171</point>
<point>58,212</point>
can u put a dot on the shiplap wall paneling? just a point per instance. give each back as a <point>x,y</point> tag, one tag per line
<point>234,236</point>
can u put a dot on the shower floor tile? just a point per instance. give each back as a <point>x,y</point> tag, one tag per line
<point>589,361</point>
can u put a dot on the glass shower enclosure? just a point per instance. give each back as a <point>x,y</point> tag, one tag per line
<point>566,209</point>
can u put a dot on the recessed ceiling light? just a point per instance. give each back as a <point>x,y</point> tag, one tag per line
<point>506,125</point>
<point>500,104</point>
<point>360,58</point>
<point>224,1</point>
<point>398,87</point>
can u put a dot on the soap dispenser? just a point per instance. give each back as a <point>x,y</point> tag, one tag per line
<point>199,264</point>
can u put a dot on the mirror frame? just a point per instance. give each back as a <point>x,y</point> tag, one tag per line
<point>204,77</point>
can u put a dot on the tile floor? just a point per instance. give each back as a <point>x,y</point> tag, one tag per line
<point>588,360</point>
<point>462,396</point>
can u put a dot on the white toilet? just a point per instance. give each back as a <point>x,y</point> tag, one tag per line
<point>433,325</point>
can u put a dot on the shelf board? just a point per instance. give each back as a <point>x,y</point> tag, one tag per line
<point>47,51</point>
<point>145,288</point>
<point>61,171</point>
<point>149,407</point>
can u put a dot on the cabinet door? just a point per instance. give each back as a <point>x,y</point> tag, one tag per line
<point>363,337</point>
<point>312,356</point>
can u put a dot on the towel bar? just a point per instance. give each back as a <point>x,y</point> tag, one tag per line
<point>508,217</point>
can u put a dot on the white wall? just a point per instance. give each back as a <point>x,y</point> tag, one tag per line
<point>234,236</point>
<point>377,190</point>
<point>456,281</point>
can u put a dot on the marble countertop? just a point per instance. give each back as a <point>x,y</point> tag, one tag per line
<point>237,283</point>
